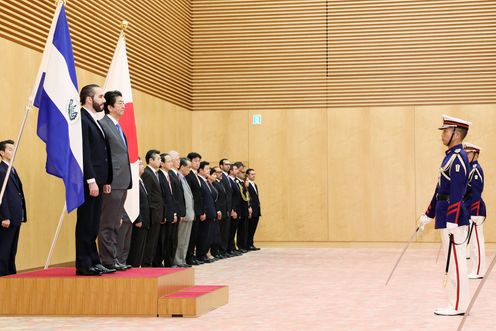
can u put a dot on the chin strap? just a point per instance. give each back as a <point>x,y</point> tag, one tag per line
<point>452,135</point>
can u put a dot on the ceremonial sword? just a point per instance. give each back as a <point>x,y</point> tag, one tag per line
<point>403,252</point>
<point>476,294</point>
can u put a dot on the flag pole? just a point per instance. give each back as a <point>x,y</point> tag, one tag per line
<point>55,237</point>
<point>16,145</point>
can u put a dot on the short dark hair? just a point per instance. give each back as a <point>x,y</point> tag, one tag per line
<point>183,162</point>
<point>231,169</point>
<point>162,157</point>
<point>87,91</point>
<point>463,132</point>
<point>203,164</point>
<point>249,170</point>
<point>3,144</point>
<point>193,155</point>
<point>110,99</point>
<point>221,162</point>
<point>239,164</point>
<point>151,155</point>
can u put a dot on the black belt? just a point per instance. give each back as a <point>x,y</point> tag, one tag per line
<point>442,197</point>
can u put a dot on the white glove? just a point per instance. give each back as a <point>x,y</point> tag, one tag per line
<point>478,220</point>
<point>451,226</point>
<point>424,220</point>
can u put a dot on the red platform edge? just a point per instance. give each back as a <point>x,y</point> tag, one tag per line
<point>71,272</point>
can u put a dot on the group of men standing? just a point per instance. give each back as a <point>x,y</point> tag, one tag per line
<point>192,212</point>
<point>459,213</point>
<point>187,209</point>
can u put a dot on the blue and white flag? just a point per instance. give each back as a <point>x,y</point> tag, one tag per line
<point>59,116</point>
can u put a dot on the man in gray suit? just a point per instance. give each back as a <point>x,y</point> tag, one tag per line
<point>184,227</point>
<point>113,203</point>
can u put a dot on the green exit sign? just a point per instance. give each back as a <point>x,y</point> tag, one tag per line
<point>257,119</point>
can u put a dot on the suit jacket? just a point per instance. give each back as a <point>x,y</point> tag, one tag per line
<point>208,201</point>
<point>188,199</point>
<point>254,201</point>
<point>192,180</point>
<point>228,189</point>
<point>121,168</point>
<point>221,202</point>
<point>153,187</point>
<point>97,161</point>
<point>13,205</point>
<point>167,196</point>
<point>235,196</point>
<point>177,189</point>
<point>144,215</point>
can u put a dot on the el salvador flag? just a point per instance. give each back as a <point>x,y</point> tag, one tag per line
<point>59,117</point>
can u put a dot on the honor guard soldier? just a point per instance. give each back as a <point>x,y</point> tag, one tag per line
<point>477,210</point>
<point>452,219</point>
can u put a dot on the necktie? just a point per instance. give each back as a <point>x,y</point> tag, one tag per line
<point>143,185</point>
<point>120,132</point>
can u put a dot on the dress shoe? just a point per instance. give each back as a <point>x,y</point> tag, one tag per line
<point>253,248</point>
<point>116,266</point>
<point>127,266</point>
<point>448,312</point>
<point>199,261</point>
<point>185,265</point>
<point>88,272</point>
<point>475,276</point>
<point>242,250</point>
<point>104,270</point>
<point>206,260</point>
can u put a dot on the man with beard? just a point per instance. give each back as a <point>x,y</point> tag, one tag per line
<point>97,168</point>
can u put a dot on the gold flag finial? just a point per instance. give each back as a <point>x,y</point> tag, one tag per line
<point>124,25</point>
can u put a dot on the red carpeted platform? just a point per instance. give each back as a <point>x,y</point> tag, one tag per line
<point>58,291</point>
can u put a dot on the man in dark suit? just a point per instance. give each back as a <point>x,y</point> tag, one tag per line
<point>244,210</point>
<point>195,184</point>
<point>166,248</point>
<point>113,203</point>
<point>12,211</point>
<point>225,224</point>
<point>208,197</point>
<point>140,225</point>
<point>235,212</point>
<point>97,168</point>
<point>255,207</point>
<point>216,249</point>
<point>152,185</point>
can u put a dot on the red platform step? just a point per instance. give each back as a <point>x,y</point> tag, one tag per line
<point>193,301</point>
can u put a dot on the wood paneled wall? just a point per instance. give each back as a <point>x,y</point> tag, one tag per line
<point>360,174</point>
<point>158,38</point>
<point>160,125</point>
<point>300,54</point>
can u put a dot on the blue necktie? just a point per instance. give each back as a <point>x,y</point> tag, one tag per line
<point>121,133</point>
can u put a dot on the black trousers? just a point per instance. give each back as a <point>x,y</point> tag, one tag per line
<point>203,238</point>
<point>242,235</point>
<point>215,237</point>
<point>87,225</point>
<point>167,245</point>
<point>225,227</point>
<point>193,239</point>
<point>152,237</point>
<point>252,228</point>
<point>233,228</point>
<point>137,250</point>
<point>9,237</point>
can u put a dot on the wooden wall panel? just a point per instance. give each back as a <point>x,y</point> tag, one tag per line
<point>411,52</point>
<point>371,173</point>
<point>160,124</point>
<point>158,38</point>
<point>429,152</point>
<point>219,134</point>
<point>288,151</point>
<point>258,54</point>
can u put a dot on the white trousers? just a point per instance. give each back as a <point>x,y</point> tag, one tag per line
<point>457,285</point>
<point>477,250</point>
